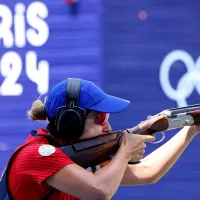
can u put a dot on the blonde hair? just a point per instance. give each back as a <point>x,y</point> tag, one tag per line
<point>37,111</point>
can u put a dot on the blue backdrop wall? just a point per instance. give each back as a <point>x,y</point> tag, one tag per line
<point>151,53</point>
<point>144,51</point>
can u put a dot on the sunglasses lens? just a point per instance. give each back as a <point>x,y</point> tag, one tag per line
<point>102,118</point>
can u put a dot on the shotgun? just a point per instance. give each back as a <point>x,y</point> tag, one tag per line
<point>94,151</point>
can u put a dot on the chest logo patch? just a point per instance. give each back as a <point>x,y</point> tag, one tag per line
<point>46,150</point>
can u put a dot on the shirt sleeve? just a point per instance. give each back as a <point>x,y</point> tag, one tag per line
<point>39,161</point>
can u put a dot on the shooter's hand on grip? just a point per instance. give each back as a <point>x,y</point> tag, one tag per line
<point>134,145</point>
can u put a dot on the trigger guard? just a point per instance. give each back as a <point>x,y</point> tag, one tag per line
<point>159,141</point>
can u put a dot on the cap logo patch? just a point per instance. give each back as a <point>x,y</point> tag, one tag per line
<point>46,150</point>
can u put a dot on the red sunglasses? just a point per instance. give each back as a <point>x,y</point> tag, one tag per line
<point>100,119</point>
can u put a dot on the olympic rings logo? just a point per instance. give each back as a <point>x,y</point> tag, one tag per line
<point>187,83</point>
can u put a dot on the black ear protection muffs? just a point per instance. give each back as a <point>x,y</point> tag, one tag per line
<point>70,119</point>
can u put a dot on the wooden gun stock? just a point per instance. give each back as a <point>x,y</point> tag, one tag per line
<point>94,151</point>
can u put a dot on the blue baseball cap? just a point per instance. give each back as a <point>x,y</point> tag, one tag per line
<point>91,97</point>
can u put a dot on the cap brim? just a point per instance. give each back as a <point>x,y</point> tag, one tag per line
<point>111,104</point>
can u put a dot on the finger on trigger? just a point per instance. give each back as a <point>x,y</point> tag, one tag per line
<point>148,138</point>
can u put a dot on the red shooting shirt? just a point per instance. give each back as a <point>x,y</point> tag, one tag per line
<point>32,165</point>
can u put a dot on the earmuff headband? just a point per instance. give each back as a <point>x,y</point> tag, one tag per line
<point>73,91</point>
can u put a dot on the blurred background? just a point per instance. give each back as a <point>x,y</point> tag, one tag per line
<point>146,51</point>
